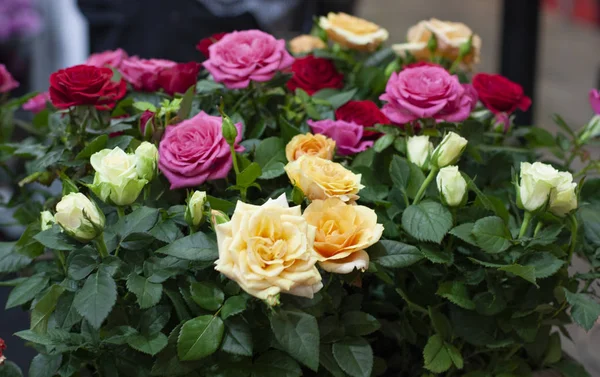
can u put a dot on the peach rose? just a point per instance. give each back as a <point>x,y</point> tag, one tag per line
<point>353,32</point>
<point>309,144</point>
<point>449,35</point>
<point>268,250</point>
<point>343,233</point>
<point>304,44</point>
<point>321,179</point>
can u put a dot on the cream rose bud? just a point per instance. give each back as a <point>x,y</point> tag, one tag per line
<point>79,217</point>
<point>315,145</point>
<point>116,180</point>
<point>304,44</point>
<point>343,233</point>
<point>353,32</point>
<point>268,250</point>
<point>449,150</point>
<point>46,220</point>
<point>452,186</point>
<point>194,212</point>
<point>418,150</point>
<point>321,179</point>
<point>537,180</point>
<point>146,160</point>
<point>563,198</point>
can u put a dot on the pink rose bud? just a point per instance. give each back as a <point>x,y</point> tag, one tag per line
<point>7,82</point>
<point>37,103</point>
<point>595,100</point>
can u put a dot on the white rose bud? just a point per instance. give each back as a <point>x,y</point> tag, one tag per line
<point>194,211</point>
<point>79,217</point>
<point>46,220</point>
<point>146,160</point>
<point>116,180</point>
<point>563,198</point>
<point>452,186</point>
<point>449,150</point>
<point>418,150</point>
<point>537,180</point>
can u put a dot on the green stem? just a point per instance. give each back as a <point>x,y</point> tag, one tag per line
<point>102,250</point>
<point>456,64</point>
<point>423,187</point>
<point>574,229</point>
<point>526,220</point>
<point>538,227</point>
<point>61,260</point>
<point>234,158</point>
<point>120,211</point>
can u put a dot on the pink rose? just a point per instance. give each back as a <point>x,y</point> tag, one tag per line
<point>595,100</point>
<point>107,58</point>
<point>194,151</point>
<point>242,56</point>
<point>7,82</point>
<point>143,74</point>
<point>347,135</point>
<point>37,103</point>
<point>427,92</point>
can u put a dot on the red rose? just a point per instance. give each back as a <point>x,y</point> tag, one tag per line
<point>85,85</point>
<point>205,43</point>
<point>313,74</point>
<point>179,78</point>
<point>499,94</point>
<point>364,113</point>
<point>144,118</point>
<point>2,348</point>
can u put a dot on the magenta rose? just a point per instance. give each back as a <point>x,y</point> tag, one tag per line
<point>37,103</point>
<point>179,78</point>
<point>347,135</point>
<point>7,82</point>
<point>427,92</point>
<point>195,151</point>
<point>143,74</point>
<point>111,59</point>
<point>242,56</point>
<point>595,100</point>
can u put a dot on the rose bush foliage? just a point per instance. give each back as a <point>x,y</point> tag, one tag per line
<point>348,212</point>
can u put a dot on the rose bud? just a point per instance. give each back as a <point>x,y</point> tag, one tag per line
<point>194,211</point>
<point>46,220</point>
<point>418,150</point>
<point>563,198</point>
<point>146,160</point>
<point>452,186</point>
<point>79,217</point>
<point>533,190</point>
<point>449,150</point>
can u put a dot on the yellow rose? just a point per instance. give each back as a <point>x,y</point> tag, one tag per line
<point>353,32</point>
<point>449,36</point>
<point>321,179</point>
<point>268,250</point>
<point>309,144</point>
<point>304,44</point>
<point>343,233</point>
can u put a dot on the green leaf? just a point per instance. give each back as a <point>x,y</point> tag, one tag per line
<point>336,99</point>
<point>427,221</point>
<point>238,337</point>
<point>148,344</point>
<point>474,328</point>
<point>397,254</point>
<point>465,233</point>
<point>44,365</point>
<point>143,106</point>
<point>97,297</point>
<point>359,323</point>
<point>270,155</point>
<point>27,246</point>
<point>249,175</point>
<point>400,173</point>
<point>94,146</point>
<point>200,337</point>
<point>166,231</point>
<point>208,86</point>
<point>66,314</point>
<point>233,306</point>
<point>195,247</point>
<point>435,355</point>
<point>455,355</point>
<point>207,295</point>
<point>122,141</point>
<point>43,308</point>
<point>544,263</point>
<point>437,256</point>
<point>139,221</point>
<point>328,361</point>
<point>547,236</point>
<point>383,143</point>
<point>148,294</point>
<point>354,356</point>
<point>81,263</point>
<point>298,334</point>
<point>416,180</point>
<point>54,239</point>
<point>186,103</point>
<point>585,311</point>
<point>27,290</point>
<point>10,369</point>
<point>525,272</point>
<point>155,319</point>
<point>554,350</point>
<point>440,323</point>
<point>275,364</point>
<point>10,261</point>
<point>457,293</point>
<point>491,234</point>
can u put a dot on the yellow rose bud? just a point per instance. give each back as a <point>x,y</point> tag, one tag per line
<point>353,32</point>
<point>563,198</point>
<point>304,44</point>
<point>343,233</point>
<point>309,144</point>
<point>79,217</point>
<point>449,37</point>
<point>268,250</point>
<point>321,179</point>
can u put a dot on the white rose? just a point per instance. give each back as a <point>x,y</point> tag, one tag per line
<point>146,158</point>
<point>46,220</point>
<point>268,250</point>
<point>451,185</point>
<point>116,180</point>
<point>79,217</point>
<point>537,180</point>
<point>449,150</point>
<point>418,150</point>
<point>195,208</point>
<point>563,198</point>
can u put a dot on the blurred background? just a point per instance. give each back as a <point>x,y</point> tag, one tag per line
<point>548,46</point>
